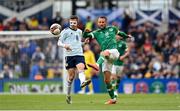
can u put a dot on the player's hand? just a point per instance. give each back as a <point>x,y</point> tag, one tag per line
<point>68,48</point>
<point>87,30</point>
<point>105,53</point>
<point>86,41</point>
<point>131,38</point>
<point>121,58</point>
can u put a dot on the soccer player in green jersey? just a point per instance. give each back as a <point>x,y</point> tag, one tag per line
<point>117,67</point>
<point>106,37</point>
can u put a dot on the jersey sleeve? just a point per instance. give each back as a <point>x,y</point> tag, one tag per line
<point>89,34</point>
<point>61,39</point>
<point>81,33</point>
<point>116,29</point>
<point>62,35</point>
<point>126,47</point>
<point>122,34</point>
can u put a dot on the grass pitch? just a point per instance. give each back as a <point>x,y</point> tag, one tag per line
<point>90,102</point>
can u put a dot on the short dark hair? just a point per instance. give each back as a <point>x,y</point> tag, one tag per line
<point>104,17</point>
<point>74,17</point>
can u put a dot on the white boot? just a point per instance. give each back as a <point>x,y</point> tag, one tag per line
<point>90,92</point>
<point>81,92</point>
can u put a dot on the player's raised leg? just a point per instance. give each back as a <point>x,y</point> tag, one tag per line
<point>107,80</point>
<point>80,68</point>
<point>111,55</point>
<point>99,61</point>
<point>107,68</point>
<point>71,75</point>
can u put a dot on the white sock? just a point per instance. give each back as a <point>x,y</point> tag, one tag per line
<point>69,87</point>
<point>82,76</point>
<point>97,64</point>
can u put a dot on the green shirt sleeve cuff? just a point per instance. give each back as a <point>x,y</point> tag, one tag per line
<point>122,34</point>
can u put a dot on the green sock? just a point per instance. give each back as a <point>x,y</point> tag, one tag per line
<point>100,60</point>
<point>117,83</point>
<point>110,90</point>
<point>113,83</point>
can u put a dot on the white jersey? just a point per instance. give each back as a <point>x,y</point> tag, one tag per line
<point>73,39</point>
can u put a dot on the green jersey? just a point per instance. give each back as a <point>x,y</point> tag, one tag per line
<point>122,47</point>
<point>106,37</point>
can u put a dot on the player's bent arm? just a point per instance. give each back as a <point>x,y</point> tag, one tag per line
<point>122,34</point>
<point>66,46</point>
<point>88,34</point>
<point>60,44</point>
<point>126,54</point>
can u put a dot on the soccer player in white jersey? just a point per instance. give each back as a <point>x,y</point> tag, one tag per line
<point>70,39</point>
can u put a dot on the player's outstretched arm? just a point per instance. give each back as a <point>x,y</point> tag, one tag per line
<point>67,47</point>
<point>87,34</point>
<point>126,54</point>
<point>123,34</point>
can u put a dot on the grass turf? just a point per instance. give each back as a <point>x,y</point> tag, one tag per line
<point>93,102</point>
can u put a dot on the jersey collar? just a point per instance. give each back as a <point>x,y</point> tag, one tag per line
<point>73,29</point>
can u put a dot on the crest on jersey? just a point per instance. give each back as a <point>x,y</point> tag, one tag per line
<point>106,34</point>
<point>111,29</point>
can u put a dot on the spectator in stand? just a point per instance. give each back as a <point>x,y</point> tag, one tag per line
<point>172,67</point>
<point>38,55</point>
<point>6,73</point>
<point>1,25</point>
<point>58,18</point>
<point>89,23</point>
<point>33,23</point>
<point>156,66</point>
<point>80,25</point>
<point>15,52</point>
<point>140,37</point>
<point>23,27</point>
<point>25,65</point>
<point>44,24</point>
<point>50,52</point>
<point>54,71</point>
<point>15,23</point>
<point>126,21</point>
<point>65,23</point>
<point>38,71</point>
<point>151,30</point>
<point>1,58</point>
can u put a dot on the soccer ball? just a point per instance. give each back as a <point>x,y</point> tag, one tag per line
<point>55,29</point>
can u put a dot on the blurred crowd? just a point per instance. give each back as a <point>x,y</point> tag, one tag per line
<point>34,59</point>
<point>153,54</point>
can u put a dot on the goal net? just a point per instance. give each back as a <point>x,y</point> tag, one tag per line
<point>18,48</point>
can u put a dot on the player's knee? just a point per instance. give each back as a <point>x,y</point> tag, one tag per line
<point>119,77</point>
<point>113,77</point>
<point>71,78</point>
<point>105,53</point>
<point>102,53</point>
<point>107,81</point>
<point>80,66</point>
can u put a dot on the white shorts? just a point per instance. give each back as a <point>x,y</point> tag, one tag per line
<point>114,54</point>
<point>107,66</point>
<point>117,70</point>
<point>108,63</point>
